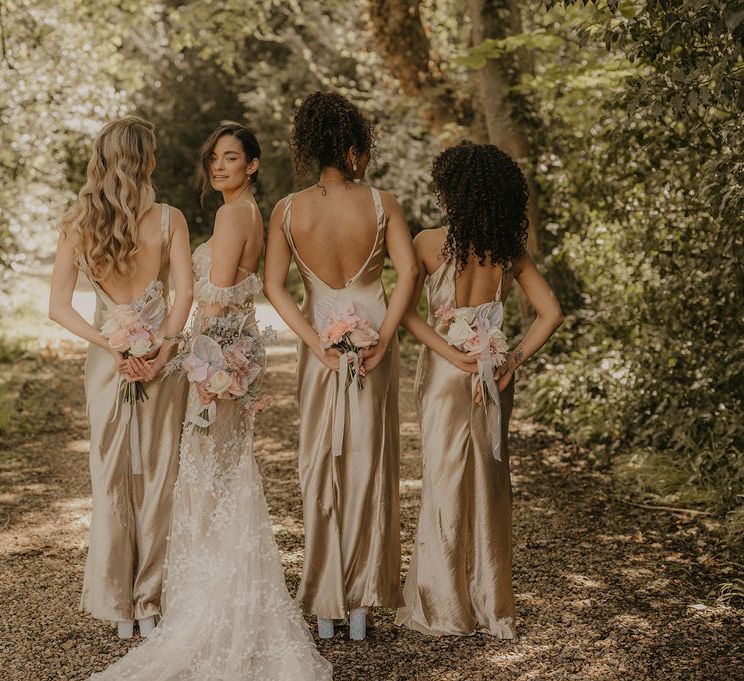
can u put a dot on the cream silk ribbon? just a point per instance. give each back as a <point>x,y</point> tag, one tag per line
<point>198,420</point>
<point>339,417</point>
<point>489,388</point>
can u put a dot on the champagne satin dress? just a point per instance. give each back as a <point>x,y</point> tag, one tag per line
<point>459,579</point>
<point>350,502</point>
<point>131,513</point>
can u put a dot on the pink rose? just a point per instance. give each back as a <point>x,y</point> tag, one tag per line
<point>344,311</point>
<point>235,359</point>
<point>363,335</point>
<point>334,332</point>
<point>445,313</point>
<point>473,346</point>
<point>239,385</point>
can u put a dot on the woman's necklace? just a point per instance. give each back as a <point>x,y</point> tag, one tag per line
<point>321,184</point>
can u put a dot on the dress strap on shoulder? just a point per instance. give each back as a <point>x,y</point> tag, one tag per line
<point>287,218</point>
<point>379,210</point>
<point>165,222</point>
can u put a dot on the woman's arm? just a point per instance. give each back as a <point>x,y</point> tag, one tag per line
<point>64,279</point>
<point>549,316</point>
<point>183,285</point>
<point>276,267</point>
<point>421,330</point>
<point>400,248</point>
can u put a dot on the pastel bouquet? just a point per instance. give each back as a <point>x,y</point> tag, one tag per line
<point>134,330</point>
<point>343,326</point>
<point>476,331</point>
<point>226,360</point>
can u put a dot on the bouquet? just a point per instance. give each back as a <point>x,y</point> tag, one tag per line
<point>226,360</point>
<point>475,331</point>
<point>344,328</point>
<point>133,330</point>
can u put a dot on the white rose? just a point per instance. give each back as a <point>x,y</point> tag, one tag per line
<point>109,327</point>
<point>466,314</point>
<point>459,332</point>
<point>220,382</point>
<point>140,347</point>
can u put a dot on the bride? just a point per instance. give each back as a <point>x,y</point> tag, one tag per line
<point>227,613</point>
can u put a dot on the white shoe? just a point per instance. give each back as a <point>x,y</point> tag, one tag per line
<point>325,628</point>
<point>125,628</point>
<point>146,626</point>
<point>358,624</point>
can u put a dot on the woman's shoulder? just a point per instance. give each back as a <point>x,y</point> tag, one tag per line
<point>238,217</point>
<point>428,245</point>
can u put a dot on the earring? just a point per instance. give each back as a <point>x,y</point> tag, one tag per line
<point>354,166</point>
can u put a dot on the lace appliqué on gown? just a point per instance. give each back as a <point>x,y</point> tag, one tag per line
<point>227,613</point>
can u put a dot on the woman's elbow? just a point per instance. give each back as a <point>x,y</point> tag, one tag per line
<point>409,273</point>
<point>270,291</point>
<point>558,318</point>
<point>54,311</point>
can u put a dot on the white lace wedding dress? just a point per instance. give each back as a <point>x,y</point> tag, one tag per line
<point>227,613</point>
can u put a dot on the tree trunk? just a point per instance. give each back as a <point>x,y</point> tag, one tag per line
<point>400,38</point>
<point>499,19</point>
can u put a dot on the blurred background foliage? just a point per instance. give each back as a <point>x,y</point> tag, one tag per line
<point>625,114</point>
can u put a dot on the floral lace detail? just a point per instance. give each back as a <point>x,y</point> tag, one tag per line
<point>205,292</point>
<point>227,613</point>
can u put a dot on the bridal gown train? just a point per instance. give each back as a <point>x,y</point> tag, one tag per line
<point>227,613</point>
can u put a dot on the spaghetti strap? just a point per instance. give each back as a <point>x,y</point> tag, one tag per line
<point>287,219</point>
<point>165,228</point>
<point>379,210</point>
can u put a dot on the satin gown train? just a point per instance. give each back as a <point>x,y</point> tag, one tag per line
<point>131,513</point>
<point>459,580</point>
<point>350,502</point>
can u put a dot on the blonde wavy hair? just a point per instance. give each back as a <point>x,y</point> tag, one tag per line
<point>104,222</point>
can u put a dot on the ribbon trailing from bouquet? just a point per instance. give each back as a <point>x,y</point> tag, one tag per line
<point>130,417</point>
<point>348,364</point>
<point>200,421</point>
<point>489,389</point>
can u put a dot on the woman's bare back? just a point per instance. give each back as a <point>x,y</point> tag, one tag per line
<point>334,233</point>
<point>475,284</point>
<point>123,290</point>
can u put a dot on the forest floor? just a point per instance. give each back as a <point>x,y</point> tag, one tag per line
<point>604,589</point>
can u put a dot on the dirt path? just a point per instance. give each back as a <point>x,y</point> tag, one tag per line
<point>604,590</point>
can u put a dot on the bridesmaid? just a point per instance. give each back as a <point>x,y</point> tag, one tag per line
<point>122,241</point>
<point>337,232</point>
<point>459,580</point>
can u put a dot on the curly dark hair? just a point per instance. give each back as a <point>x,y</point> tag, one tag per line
<point>326,125</point>
<point>248,141</point>
<point>483,195</point>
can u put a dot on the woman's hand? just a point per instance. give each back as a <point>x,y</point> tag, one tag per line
<point>205,397</point>
<point>122,364</point>
<point>372,356</point>
<point>462,361</point>
<point>329,356</point>
<point>503,376</point>
<point>146,370</point>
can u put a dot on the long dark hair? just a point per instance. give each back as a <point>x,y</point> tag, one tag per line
<point>248,141</point>
<point>483,195</point>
